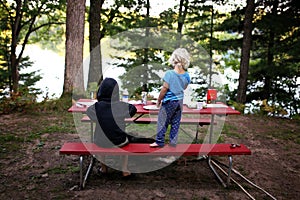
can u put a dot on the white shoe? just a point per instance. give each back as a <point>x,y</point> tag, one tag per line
<point>154,144</point>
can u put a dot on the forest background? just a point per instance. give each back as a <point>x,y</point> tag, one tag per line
<point>257,39</point>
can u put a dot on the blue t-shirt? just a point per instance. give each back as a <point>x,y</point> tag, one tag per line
<point>177,84</point>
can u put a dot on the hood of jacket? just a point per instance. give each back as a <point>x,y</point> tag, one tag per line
<point>108,90</point>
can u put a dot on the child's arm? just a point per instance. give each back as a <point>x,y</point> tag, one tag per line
<point>91,112</point>
<point>162,93</point>
<point>132,110</point>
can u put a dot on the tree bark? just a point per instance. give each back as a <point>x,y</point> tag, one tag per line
<point>183,7</point>
<point>13,57</point>
<point>270,56</point>
<point>95,68</point>
<point>73,78</point>
<point>246,48</point>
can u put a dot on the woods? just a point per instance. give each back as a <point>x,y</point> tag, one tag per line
<point>246,52</point>
<point>258,40</point>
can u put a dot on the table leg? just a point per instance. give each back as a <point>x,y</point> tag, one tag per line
<point>197,132</point>
<point>214,171</point>
<point>90,167</point>
<point>229,169</point>
<point>92,132</point>
<point>138,117</point>
<point>211,129</point>
<point>209,157</point>
<point>81,172</point>
<point>82,181</point>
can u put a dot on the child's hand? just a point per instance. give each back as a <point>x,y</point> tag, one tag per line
<point>158,103</point>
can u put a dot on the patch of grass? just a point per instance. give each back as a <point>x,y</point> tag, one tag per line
<point>9,143</point>
<point>32,136</point>
<point>286,134</point>
<point>10,138</point>
<point>231,131</point>
<point>63,170</point>
<point>61,128</point>
<point>142,129</point>
<point>221,139</point>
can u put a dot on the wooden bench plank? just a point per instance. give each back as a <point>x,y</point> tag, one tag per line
<point>79,148</point>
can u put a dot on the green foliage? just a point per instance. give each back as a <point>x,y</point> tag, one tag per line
<point>25,22</point>
<point>25,102</point>
<point>17,102</point>
<point>57,105</point>
<point>27,95</point>
<point>238,106</point>
<point>274,65</point>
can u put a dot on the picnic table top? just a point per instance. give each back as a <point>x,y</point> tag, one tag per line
<point>219,108</point>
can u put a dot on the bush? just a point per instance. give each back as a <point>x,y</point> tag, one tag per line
<point>17,102</point>
<point>26,102</point>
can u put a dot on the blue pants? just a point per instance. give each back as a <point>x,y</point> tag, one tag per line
<point>169,113</point>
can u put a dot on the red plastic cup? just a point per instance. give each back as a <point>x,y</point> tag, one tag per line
<point>211,95</point>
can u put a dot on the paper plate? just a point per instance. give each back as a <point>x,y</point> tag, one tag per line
<point>135,102</point>
<point>217,105</point>
<point>154,101</point>
<point>151,107</point>
<point>87,103</point>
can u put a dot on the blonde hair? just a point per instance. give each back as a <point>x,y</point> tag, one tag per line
<point>180,56</point>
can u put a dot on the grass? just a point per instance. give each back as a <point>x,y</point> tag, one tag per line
<point>32,124</point>
<point>285,135</point>
<point>231,131</point>
<point>10,138</point>
<point>63,170</point>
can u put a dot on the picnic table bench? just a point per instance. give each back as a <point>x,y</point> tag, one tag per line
<point>82,149</point>
<point>149,120</point>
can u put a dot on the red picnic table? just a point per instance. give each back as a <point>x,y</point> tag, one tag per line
<point>212,110</point>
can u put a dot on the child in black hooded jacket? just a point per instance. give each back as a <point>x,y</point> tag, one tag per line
<point>109,113</point>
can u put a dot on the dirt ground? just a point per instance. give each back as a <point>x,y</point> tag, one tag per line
<point>32,168</point>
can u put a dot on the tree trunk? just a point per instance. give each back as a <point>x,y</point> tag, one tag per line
<point>146,50</point>
<point>270,56</point>
<point>247,40</point>
<point>13,57</point>
<point>73,78</point>
<point>95,69</point>
<point>183,7</point>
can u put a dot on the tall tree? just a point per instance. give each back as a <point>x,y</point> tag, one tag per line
<point>246,48</point>
<point>276,55</point>
<point>105,21</point>
<point>26,17</point>
<point>95,68</point>
<point>183,9</point>
<point>73,78</point>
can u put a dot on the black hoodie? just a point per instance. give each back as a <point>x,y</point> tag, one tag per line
<point>109,114</point>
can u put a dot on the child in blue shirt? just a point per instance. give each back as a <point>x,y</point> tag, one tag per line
<point>170,99</point>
